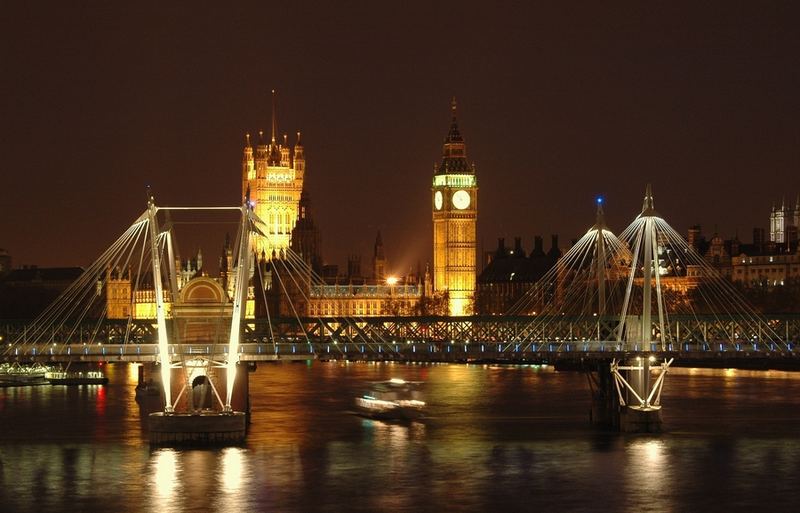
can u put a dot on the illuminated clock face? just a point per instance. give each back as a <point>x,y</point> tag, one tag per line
<point>461,200</point>
<point>437,200</point>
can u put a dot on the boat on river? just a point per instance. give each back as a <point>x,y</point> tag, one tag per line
<point>15,374</point>
<point>395,399</point>
<point>147,388</point>
<point>76,378</point>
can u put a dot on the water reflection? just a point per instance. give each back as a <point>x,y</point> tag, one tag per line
<point>166,475</point>
<point>393,435</point>
<point>648,475</point>
<point>232,469</point>
<point>497,438</point>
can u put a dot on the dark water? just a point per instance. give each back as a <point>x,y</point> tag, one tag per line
<point>498,439</point>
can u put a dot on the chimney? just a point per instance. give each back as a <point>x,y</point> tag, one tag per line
<point>501,247</point>
<point>518,251</point>
<point>538,246</point>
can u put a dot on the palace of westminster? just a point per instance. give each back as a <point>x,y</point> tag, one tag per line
<point>290,277</point>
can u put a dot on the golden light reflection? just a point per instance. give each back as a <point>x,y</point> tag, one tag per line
<point>232,469</point>
<point>652,451</point>
<point>166,474</point>
<point>133,373</point>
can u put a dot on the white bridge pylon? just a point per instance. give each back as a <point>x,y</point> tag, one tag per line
<point>645,240</point>
<point>158,238</point>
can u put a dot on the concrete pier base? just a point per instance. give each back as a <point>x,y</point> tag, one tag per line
<point>638,419</point>
<point>211,428</point>
<point>604,412</point>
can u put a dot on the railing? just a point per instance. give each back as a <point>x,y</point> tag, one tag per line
<point>408,337</point>
<point>421,350</point>
<point>384,329</point>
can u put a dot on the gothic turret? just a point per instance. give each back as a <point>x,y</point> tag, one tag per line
<point>248,163</point>
<point>305,236</point>
<point>299,157</point>
<point>378,260</point>
<point>285,152</point>
<point>275,186</point>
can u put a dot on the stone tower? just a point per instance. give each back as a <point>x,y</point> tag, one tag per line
<point>378,260</point>
<point>455,214</point>
<point>274,174</point>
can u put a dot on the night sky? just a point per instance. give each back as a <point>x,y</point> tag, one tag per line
<point>557,105</point>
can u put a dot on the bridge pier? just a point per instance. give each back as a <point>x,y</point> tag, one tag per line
<point>605,407</point>
<point>195,420</point>
<point>639,397</point>
<point>625,395</point>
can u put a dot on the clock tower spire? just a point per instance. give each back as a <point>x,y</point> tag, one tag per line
<point>455,214</point>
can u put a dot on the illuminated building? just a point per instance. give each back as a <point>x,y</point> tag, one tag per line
<point>784,222</point>
<point>455,212</point>
<point>273,174</point>
<point>126,296</point>
<point>767,270</point>
<point>293,291</point>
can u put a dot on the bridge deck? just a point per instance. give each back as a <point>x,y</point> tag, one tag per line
<point>587,350</point>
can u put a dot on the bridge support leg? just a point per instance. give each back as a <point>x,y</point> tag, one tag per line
<point>604,412</point>
<point>240,401</point>
<point>193,424</point>
<point>639,395</point>
<point>149,382</point>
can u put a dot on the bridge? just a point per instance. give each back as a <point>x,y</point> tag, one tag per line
<point>625,308</point>
<point>428,338</point>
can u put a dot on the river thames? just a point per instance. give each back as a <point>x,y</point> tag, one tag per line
<point>497,438</point>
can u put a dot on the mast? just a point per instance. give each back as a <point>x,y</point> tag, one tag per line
<point>163,341</point>
<point>239,299</point>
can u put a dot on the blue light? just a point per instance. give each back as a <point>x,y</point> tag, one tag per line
<point>599,200</point>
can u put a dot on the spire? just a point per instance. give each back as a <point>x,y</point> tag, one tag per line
<point>247,140</point>
<point>274,118</point>
<point>454,153</point>
<point>274,155</point>
<point>299,143</point>
<point>454,136</point>
<point>647,207</point>
<point>600,219</point>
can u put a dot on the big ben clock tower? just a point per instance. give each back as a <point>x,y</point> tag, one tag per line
<point>455,215</point>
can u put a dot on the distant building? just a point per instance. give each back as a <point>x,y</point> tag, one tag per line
<point>273,174</point>
<point>129,296</point>
<point>759,264</point>
<point>44,278</point>
<point>784,222</point>
<point>455,213</point>
<point>27,291</point>
<point>771,268</point>
<point>5,262</point>
<point>289,290</point>
<point>510,274</point>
